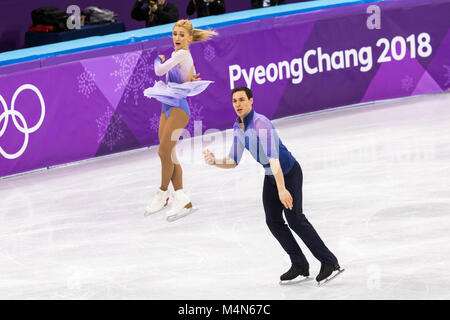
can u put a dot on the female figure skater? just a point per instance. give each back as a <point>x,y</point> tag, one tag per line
<point>182,81</point>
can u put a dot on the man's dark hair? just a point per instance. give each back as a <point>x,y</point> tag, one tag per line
<point>247,91</point>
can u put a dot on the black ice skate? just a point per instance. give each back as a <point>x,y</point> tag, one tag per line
<point>293,273</point>
<point>326,270</point>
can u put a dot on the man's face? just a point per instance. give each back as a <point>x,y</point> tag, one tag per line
<point>161,2</point>
<point>242,105</point>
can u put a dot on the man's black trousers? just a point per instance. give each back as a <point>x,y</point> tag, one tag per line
<point>296,220</point>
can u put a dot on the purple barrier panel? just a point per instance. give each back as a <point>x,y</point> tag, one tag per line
<point>156,43</point>
<point>51,61</point>
<point>19,67</point>
<point>240,28</point>
<point>96,106</point>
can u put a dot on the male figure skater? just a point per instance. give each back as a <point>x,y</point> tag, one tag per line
<point>282,186</point>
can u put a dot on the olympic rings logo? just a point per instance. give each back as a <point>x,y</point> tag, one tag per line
<point>22,126</point>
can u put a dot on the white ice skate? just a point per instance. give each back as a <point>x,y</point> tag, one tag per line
<point>159,202</point>
<point>181,206</point>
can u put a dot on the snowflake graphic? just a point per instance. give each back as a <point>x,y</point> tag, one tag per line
<point>133,79</point>
<point>109,128</point>
<point>209,53</point>
<point>407,83</point>
<point>154,122</point>
<point>86,83</point>
<point>196,116</point>
<point>447,75</point>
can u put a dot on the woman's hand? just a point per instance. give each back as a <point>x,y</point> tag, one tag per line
<point>162,57</point>
<point>191,77</point>
<point>196,77</point>
<point>286,199</point>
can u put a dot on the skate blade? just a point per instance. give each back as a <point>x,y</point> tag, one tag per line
<point>325,281</point>
<point>295,281</point>
<point>147,213</point>
<point>185,213</point>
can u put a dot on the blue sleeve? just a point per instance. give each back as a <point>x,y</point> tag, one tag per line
<point>157,63</point>
<point>236,151</point>
<point>268,138</point>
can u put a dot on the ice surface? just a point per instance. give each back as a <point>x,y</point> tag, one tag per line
<point>376,188</point>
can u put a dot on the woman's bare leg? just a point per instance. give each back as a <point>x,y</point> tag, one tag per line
<point>169,133</point>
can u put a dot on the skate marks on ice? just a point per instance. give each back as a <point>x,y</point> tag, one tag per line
<point>110,253</point>
<point>175,217</point>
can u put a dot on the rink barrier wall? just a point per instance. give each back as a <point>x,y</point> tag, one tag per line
<point>83,48</point>
<point>76,110</point>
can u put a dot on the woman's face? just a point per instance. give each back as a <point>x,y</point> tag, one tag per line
<point>181,38</point>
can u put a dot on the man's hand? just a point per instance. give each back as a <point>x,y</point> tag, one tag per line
<point>286,199</point>
<point>283,193</point>
<point>162,57</point>
<point>209,157</point>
